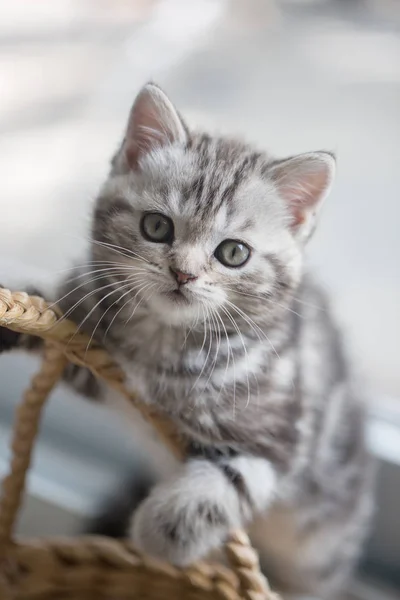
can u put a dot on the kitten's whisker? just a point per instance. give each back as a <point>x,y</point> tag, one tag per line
<point>90,293</point>
<point>253,374</point>
<point>133,289</point>
<point>257,330</point>
<point>197,317</point>
<point>117,313</point>
<point>108,270</point>
<point>235,325</point>
<point>87,295</point>
<point>205,330</point>
<point>123,286</point>
<point>205,320</point>
<point>271,300</point>
<point>156,289</point>
<point>91,280</point>
<point>106,311</point>
<point>120,250</point>
<point>252,324</point>
<point>289,309</point>
<point>257,296</point>
<point>218,336</point>
<point>230,352</point>
<point>265,297</point>
<point>300,301</point>
<point>190,329</point>
<point>114,248</point>
<point>91,263</point>
<point>142,289</point>
<point>211,338</point>
<point>208,353</point>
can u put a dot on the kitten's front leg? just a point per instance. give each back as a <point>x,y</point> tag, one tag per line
<point>184,519</point>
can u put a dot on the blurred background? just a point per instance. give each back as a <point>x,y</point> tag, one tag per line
<point>290,75</point>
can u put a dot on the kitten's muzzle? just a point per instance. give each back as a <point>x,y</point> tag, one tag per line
<point>181,277</point>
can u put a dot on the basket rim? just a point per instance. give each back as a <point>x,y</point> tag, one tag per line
<point>34,316</point>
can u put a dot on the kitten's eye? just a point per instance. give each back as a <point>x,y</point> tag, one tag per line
<point>157,228</point>
<point>232,253</point>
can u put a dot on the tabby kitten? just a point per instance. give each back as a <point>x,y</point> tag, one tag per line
<point>197,288</point>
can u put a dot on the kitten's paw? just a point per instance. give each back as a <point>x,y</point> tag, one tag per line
<point>177,533</point>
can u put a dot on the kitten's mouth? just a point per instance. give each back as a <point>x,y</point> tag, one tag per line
<point>178,296</point>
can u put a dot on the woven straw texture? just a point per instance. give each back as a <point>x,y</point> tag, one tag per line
<point>95,568</point>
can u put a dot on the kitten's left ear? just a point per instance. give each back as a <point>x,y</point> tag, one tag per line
<point>303,182</point>
<point>153,122</point>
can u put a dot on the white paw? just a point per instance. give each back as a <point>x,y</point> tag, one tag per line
<point>178,533</point>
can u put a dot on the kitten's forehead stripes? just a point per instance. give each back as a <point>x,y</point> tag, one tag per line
<point>230,190</point>
<point>222,165</point>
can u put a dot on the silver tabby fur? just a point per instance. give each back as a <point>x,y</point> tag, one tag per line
<point>247,361</point>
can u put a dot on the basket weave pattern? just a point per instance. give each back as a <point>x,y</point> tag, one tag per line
<point>93,567</point>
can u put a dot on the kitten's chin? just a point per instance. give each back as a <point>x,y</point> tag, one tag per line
<point>173,309</point>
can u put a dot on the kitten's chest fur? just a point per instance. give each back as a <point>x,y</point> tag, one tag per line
<point>154,347</point>
<point>217,390</point>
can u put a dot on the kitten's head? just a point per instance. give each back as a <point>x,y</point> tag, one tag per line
<point>206,225</point>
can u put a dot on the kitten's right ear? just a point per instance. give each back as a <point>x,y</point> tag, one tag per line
<point>303,182</point>
<point>153,122</point>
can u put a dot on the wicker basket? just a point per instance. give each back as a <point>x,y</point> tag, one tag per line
<point>93,567</point>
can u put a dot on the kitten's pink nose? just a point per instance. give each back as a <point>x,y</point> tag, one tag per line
<point>181,277</point>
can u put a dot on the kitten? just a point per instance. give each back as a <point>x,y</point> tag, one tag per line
<point>198,290</point>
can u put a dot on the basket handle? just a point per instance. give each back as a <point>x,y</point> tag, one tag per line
<point>244,561</point>
<point>24,434</point>
<point>32,315</point>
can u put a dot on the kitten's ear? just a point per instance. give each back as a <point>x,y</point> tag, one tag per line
<point>303,182</point>
<point>153,122</point>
